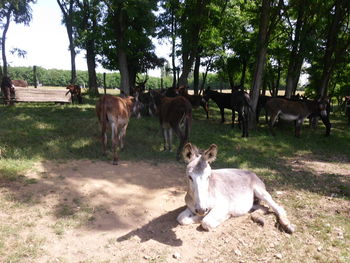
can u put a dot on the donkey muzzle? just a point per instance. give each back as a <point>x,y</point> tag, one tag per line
<point>201,211</point>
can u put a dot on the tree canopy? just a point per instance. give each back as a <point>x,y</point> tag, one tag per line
<point>262,45</point>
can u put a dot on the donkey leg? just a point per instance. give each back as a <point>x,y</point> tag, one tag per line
<point>186,217</point>
<point>181,137</point>
<point>262,194</point>
<point>164,132</point>
<point>170,139</point>
<point>326,122</point>
<point>273,118</point>
<point>122,134</point>
<point>222,112</point>
<point>234,118</point>
<point>115,142</point>
<point>104,141</point>
<point>298,125</point>
<point>245,126</point>
<point>215,217</point>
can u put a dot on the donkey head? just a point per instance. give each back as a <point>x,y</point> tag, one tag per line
<point>136,106</point>
<point>155,98</point>
<point>198,174</point>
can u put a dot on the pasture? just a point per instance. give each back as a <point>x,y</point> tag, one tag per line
<point>62,201</point>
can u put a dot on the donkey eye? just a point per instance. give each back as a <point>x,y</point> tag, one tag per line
<point>189,177</point>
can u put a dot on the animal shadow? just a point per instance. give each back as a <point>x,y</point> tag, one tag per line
<point>159,229</point>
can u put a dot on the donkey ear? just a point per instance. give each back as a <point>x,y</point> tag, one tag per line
<point>189,152</point>
<point>210,154</point>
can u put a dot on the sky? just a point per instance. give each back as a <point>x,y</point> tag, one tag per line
<point>46,41</point>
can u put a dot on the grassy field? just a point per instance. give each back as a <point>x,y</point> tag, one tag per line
<point>33,132</point>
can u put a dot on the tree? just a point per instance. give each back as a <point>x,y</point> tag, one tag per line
<point>87,18</point>
<point>269,17</point>
<point>20,12</point>
<point>337,42</point>
<point>129,26</point>
<point>168,28</point>
<point>68,10</point>
<point>193,18</point>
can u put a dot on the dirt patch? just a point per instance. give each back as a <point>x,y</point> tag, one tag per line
<point>85,211</point>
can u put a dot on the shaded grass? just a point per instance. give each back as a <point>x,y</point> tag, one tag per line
<point>31,132</point>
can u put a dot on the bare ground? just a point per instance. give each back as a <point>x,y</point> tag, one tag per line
<point>86,211</point>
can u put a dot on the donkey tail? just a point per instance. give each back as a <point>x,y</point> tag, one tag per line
<point>103,114</point>
<point>188,125</point>
<point>247,102</point>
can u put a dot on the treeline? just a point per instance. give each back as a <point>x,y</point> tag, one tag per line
<point>61,78</point>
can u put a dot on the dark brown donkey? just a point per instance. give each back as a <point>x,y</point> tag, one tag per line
<point>7,90</point>
<point>297,111</point>
<point>195,100</point>
<point>175,114</point>
<point>116,111</point>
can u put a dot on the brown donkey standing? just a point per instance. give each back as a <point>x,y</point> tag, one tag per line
<point>175,114</point>
<point>116,111</point>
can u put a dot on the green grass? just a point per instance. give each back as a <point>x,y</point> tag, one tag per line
<point>32,132</point>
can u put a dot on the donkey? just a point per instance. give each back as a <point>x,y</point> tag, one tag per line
<point>75,91</point>
<point>116,111</point>
<point>195,100</point>
<point>213,196</point>
<point>175,114</point>
<point>222,100</point>
<point>19,83</point>
<point>240,102</point>
<point>7,90</point>
<point>297,111</point>
<point>236,101</point>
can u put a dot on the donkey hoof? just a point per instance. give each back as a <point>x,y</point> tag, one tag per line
<point>290,229</point>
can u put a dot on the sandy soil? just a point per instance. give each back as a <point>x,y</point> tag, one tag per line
<point>88,211</point>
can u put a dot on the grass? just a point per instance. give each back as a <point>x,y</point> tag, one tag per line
<point>32,132</point>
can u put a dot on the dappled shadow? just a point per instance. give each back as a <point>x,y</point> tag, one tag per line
<point>159,229</point>
<point>70,132</point>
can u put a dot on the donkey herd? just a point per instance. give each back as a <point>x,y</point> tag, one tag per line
<point>213,195</point>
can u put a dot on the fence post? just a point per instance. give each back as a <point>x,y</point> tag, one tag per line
<point>104,82</point>
<point>35,78</point>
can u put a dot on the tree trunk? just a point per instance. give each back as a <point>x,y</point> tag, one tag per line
<point>190,40</point>
<point>187,60</point>
<point>295,57</point>
<point>173,45</point>
<point>328,61</point>
<point>196,74</point>
<point>91,65</point>
<point>124,71</point>
<point>3,43</point>
<point>122,53</point>
<point>205,74</point>
<point>67,14</point>
<point>72,55</point>
<point>260,60</point>
<point>244,70</point>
